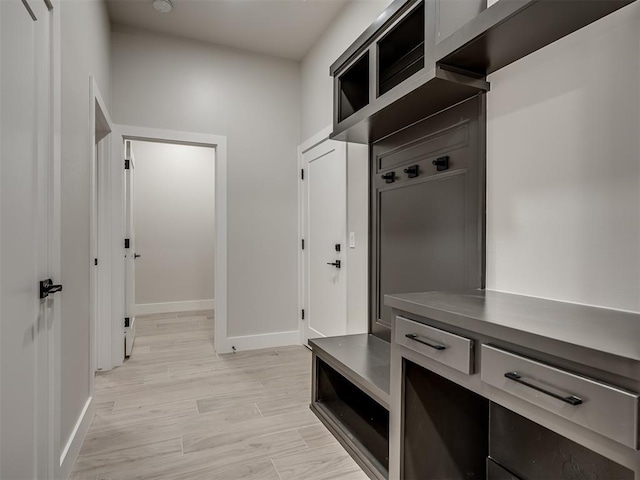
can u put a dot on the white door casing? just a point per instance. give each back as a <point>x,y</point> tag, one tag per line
<point>324,212</point>
<point>100,141</point>
<point>116,202</point>
<point>130,248</point>
<point>28,221</point>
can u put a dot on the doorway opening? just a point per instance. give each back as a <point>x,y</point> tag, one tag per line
<point>100,253</point>
<point>117,310</point>
<point>169,241</point>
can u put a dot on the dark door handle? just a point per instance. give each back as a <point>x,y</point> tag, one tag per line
<point>135,255</point>
<point>417,338</point>
<point>570,399</point>
<point>47,287</point>
<point>336,264</point>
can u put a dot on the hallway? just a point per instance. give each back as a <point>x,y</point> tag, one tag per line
<point>177,410</point>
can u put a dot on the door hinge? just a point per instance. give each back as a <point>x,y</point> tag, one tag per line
<point>303,314</point>
<point>303,243</point>
<point>127,164</point>
<point>95,261</point>
<point>127,321</point>
<point>302,174</point>
<point>126,243</point>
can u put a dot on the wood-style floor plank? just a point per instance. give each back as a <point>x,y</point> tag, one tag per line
<point>177,410</point>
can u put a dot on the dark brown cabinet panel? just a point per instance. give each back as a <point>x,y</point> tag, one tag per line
<point>428,223</point>
<point>533,452</point>
<point>422,238</point>
<point>495,471</point>
<point>445,428</point>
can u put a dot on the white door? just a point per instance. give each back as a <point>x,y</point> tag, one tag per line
<point>26,388</point>
<point>325,233</point>
<point>130,249</point>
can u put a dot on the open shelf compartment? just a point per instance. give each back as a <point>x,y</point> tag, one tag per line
<point>351,396</point>
<point>353,87</point>
<point>446,427</point>
<point>356,413</point>
<point>401,51</point>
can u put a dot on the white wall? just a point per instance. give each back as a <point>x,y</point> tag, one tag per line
<point>317,105</point>
<point>171,83</point>
<point>85,45</point>
<point>564,169</point>
<point>174,222</point>
<point>358,223</point>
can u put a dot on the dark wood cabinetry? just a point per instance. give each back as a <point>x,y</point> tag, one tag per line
<point>356,412</point>
<point>412,88</point>
<point>403,83</point>
<point>350,395</point>
<point>425,56</point>
<point>528,452</point>
<point>446,428</point>
<point>427,221</point>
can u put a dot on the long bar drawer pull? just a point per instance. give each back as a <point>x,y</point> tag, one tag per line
<point>419,339</point>
<point>570,399</point>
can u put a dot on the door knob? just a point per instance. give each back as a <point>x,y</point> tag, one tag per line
<point>47,287</point>
<point>135,255</point>
<point>336,264</point>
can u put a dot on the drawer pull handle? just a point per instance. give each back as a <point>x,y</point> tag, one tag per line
<point>570,399</point>
<point>417,338</point>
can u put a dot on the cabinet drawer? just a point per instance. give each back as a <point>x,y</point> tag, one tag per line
<point>608,410</point>
<point>444,347</point>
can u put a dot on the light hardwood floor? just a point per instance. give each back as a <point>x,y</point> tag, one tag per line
<point>176,410</point>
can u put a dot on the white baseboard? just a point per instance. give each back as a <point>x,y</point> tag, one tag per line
<point>74,444</point>
<point>265,340</point>
<point>174,307</point>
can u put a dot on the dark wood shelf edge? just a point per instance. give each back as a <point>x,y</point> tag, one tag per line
<point>358,452</point>
<point>366,385</point>
<point>512,29</point>
<point>423,94</point>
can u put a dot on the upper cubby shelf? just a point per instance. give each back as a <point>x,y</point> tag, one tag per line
<point>512,29</point>
<point>412,100</point>
<point>422,56</point>
<point>401,51</point>
<point>354,88</point>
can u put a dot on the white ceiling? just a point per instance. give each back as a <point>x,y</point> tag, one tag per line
<point>283,28</point>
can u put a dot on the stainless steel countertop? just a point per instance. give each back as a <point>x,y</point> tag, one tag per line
<point>610,331</point>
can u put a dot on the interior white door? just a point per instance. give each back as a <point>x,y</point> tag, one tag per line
<point>26,446</point>
<point>325,225</point>
<point>130,250</point>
